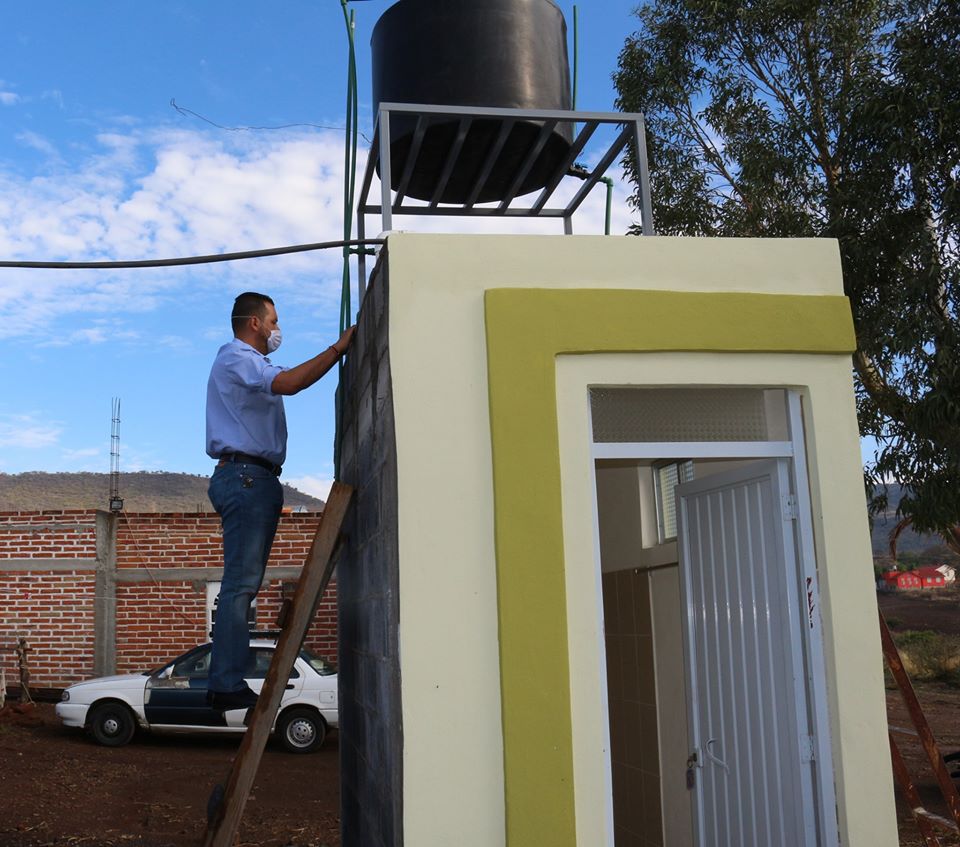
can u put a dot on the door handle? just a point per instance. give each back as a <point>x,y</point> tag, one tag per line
<point>289,686</point>
<point>708,754</point>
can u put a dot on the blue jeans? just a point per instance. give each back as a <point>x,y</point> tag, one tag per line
<point>248,499</point>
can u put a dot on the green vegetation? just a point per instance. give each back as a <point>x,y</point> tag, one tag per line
<point>912,561</point>
<point>930,655</point>
<point>836,119</point>
<point>141,492</point>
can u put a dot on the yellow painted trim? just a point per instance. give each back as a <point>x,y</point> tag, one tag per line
<point>525,330</point>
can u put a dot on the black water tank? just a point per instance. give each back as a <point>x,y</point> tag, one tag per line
<point>495,53</point>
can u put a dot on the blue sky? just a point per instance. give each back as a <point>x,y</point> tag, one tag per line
<point>96,164</point>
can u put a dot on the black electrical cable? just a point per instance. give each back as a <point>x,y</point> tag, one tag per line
<point>184,111</point>
<point>197,260</point>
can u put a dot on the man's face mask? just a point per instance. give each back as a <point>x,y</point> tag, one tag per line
<point>273,340</point>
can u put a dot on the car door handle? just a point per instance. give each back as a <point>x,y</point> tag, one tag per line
<point>289,686</point>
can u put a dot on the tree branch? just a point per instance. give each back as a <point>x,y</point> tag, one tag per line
<point>711,155</point>
<point>765,78</point>
<point>821,136</point>
<point>887,400</point>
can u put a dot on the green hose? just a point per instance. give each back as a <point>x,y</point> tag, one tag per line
<point>350,163</point>
<point>576,54</point>
<point>349,180</point>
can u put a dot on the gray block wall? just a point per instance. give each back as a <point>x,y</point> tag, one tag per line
<point>371,734</point>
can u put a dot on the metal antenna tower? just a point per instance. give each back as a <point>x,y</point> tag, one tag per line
<point>116,501</point>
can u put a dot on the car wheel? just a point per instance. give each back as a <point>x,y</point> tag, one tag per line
<point>301,730</point>
<point>112,724</point>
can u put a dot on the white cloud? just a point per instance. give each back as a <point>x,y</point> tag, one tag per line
<point>9,98</point>
<point>54,94</point>
<point>316,486</point>
<point>173,342</point>
<point>160,194</point>
<point>37,142</point>
<point>134,458</point>
<point>98,460</point>
<point>80,453</point>
<point>213,333</point>
<point>25,432</point>
<point>150,193</point>
<point>100,333</point>
<point>92,335</point>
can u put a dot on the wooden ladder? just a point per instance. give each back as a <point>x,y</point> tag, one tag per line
<point>226,804</point>
<point>927,821</point>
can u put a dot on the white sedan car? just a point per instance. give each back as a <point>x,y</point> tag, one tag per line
<point>174,699</point>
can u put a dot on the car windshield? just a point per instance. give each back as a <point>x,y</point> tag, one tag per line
<point>192,663</point>
<point>319,664</point>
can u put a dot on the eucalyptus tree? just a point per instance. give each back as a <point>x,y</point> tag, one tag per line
<point>836,119</point>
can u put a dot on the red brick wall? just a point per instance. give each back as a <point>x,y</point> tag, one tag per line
<point>48,535</point>
<point>157,622</point>
<point>173,540</point>
<point>157,616</point>
<point>53,610</point>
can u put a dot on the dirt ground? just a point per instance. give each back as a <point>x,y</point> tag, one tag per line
<point>941,705</point>
<point>926,609</point>
<point>59,789</point>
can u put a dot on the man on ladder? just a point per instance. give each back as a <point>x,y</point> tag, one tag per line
<point>247,434</point>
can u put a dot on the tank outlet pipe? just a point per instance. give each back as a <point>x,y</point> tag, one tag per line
<point>606,220</point>
<point>580,172</point>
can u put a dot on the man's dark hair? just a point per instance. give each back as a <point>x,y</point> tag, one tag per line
<point>246,305</point>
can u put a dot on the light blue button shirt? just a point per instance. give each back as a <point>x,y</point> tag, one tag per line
<point>243,413</point>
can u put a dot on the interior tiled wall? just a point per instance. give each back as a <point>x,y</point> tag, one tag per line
<point>634,752</point>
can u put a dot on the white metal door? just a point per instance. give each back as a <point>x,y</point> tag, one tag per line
<point>751,765</point>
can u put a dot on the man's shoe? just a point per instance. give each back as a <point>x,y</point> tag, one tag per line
<point>224,701</point>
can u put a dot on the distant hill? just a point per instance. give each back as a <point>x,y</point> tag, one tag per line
<point>909,542</point>
<point>141,492</point>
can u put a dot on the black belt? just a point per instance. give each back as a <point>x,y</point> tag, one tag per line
<point>246,458</point>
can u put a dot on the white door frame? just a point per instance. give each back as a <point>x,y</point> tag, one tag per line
<point>794,450</point>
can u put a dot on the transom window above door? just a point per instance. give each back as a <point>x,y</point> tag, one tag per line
<point>724,414</point>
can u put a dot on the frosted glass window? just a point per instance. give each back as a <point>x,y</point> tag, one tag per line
<point>622,415</point>
<point>666,478</point>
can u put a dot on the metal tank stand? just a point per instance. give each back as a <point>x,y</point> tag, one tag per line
<point>396,203</point>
